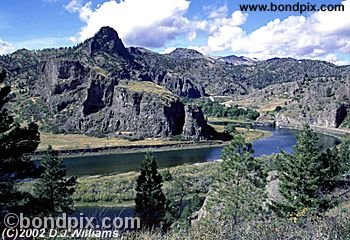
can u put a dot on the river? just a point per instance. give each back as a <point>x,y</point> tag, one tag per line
<point>281,139</point>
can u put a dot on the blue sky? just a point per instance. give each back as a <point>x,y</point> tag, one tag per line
<point>211,27</point>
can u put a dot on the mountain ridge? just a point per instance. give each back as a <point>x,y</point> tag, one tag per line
<point>63,78</point>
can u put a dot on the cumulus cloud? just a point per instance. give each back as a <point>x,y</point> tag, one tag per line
<point>319,36</point>
<point>159,23</point>
<point>6,47</point>
<point>149,23</point>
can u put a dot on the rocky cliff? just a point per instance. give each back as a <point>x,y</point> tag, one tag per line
<point>319,101</point>
<point>96,88</point>
<point>69,89</point>
<point>322,101</point>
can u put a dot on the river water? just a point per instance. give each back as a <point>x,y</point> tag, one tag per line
<point>281,139</point>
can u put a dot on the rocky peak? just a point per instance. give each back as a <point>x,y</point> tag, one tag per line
<point>235,60</point>
<point>107,40</point>
<point>186,53</point>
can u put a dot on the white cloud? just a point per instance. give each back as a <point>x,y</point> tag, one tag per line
<point>158,23</point>
<point>73,6</point>
<point>320,36</point>
<point>149,23</point>
<point>6,47</point>
<point>219,12</point>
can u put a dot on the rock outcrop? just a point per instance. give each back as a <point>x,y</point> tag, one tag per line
<point>195,124</point>
<point>318,102</point>
<point>53,85</point>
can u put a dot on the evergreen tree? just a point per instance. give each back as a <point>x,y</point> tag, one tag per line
<point>239,192</point>
<point>330,170</point>
<point>53,189</point>
<point>16,143</point>
<point>299,175</point>
<point>344,156</point>
<point>150,200</point>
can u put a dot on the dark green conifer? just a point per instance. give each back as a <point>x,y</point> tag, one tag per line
<point>150,200</point>
<point>239,192</point>
<point>299,176</point>
<point>16,143</point>
<point>53,189</point>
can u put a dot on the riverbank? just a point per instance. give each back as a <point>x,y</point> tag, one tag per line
<point>135,148</point>
<point>71,145</point>
<point>330,131</point>
<point>119,190</point>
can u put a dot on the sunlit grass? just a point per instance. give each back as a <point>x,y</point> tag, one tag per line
<point>78,141</point>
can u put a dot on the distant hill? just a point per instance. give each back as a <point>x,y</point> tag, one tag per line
<point>234,60</point>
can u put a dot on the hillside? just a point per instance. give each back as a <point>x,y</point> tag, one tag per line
<point>85,88</point>
<point>320,101</point>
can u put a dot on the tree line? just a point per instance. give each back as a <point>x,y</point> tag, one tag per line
<point>215,109</point>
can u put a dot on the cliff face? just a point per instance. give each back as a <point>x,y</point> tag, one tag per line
<point>323,101</point>
<point>125,111</point>
<point>72,89</point>
<point>332,115</point>
<point>195,124</point>
<point>97,88</point>
<point>85,100</point>
<point>185,72</point>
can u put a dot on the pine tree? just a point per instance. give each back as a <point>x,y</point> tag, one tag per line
<point>16,143</point>
<point>330,170</point>
<point>344,156</point>
<point>150,200</point>
<point>299,175</point>
<point>239,192</point>
<point>53,189</point>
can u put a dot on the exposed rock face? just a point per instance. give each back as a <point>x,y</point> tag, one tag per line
<point>71,87</point>
<point>195,124</point>
<point>107,40</point>
<point>85,100</point>
<point>319,101</point>
<point>184,72</point>
<point>330,116</point>
<point>140,114</point>
<point>182,53</point>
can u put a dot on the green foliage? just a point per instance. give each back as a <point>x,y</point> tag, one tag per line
<point>308,176</point>
<point>150,200</point>
<point>239,192</point>
<point>167,175</point>
<point>335,228</point>
<point>230,129</point>
<point>119,190</point>
<point>215,109</point>
<point>194,204</point>
<point>53,190</point>
<point>16,143</point>
<point>177,209</point>
<point>330,170</point>
<point>344,156</point>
